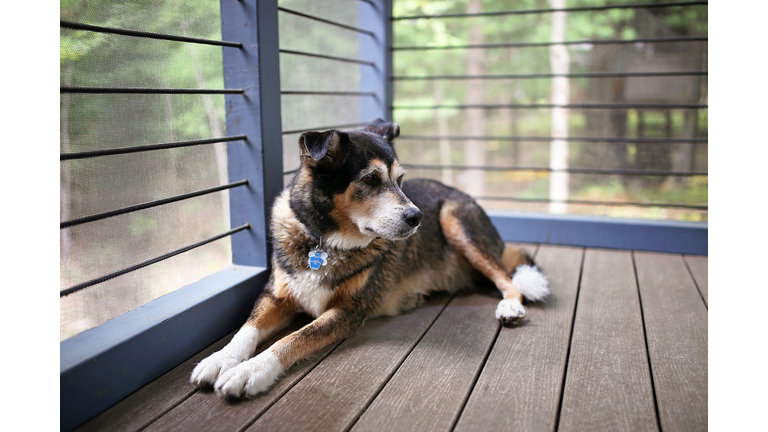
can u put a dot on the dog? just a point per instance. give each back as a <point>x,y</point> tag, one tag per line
<point>351,240</point>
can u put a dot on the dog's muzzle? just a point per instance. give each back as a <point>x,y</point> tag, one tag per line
<point>412,216</point>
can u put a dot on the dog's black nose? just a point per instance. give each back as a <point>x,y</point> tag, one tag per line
<point>412,217</point>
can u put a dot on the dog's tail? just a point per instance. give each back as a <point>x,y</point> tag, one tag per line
<point>527,277</point>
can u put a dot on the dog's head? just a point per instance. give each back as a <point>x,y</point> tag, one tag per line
<point>353,180</point>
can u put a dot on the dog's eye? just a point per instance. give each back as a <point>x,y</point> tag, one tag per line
<point>369,179</point>
<point>400,180</point>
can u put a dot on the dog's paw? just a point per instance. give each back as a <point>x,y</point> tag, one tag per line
<point>249,378</point>
<point>510,311</point>
<point>208,370</point>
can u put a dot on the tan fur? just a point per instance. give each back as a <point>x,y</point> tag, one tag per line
<point>483,261</point>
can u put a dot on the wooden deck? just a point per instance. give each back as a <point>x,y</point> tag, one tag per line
<point>620,345</point>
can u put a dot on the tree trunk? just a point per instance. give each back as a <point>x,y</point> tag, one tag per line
<point>474,150</point>
<point>443,132</point>
<point>559,60</point>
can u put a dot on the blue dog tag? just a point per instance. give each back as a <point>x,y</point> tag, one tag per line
<point>317,258</point>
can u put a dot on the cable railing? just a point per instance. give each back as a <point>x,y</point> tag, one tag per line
<point>640,106</point>
<point>63,157</point>
<point>551,10</point>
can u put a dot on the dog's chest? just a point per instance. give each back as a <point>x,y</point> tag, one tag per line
<point>312,289</point>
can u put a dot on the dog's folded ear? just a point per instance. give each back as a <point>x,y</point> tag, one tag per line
<point>318,144</point>
<point>388,131</point>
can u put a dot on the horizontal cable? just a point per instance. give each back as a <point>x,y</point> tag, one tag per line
<point>609,203</point>
<point>149,147</point>
<point>327,57</point>
<point>321,128</point>
<point>540,11</point>
<point>322,20</point>
<point>632,140</point>
<point>569,106</point>
<point>568,75</point>
<point>545,44</point>
<point>148,262</point>
<point>100,216</point>
<point>326,93</point>
<point>149,35</point>
<point>293,171</point>
<point>145,90</point>
<point>565,170</point>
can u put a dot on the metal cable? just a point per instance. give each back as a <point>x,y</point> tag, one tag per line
<point>325,93</point>
<point>539,11</point>
<point>322,20</point>
<point>144,90</point>
<point>569,106</point>
<point>149,35</point>
<point>631,140</point>
<point>566,170</point>
<point>545,44</point>
<point>610,203</point>
<point>149,147</point>
<point>327,57</point>
<point>321,128</point>
<point>78,287</point>
<point>100,216</point>
<point>568,75</point>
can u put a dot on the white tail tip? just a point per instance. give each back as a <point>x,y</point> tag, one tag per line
<point>531,282</point>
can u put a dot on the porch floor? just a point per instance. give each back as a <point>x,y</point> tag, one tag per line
<point>621,344</point>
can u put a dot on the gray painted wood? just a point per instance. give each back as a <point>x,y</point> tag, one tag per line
<point>602,232</point>
<point>676,330</point>
<point>522,379</point>
<point>339,389</point>
<point>206,411</point>
<point>153,400</point>
<point>376,49</point>
<point>608,384</point>
<point>429,389</point>
<point>699,269</point>
<point>256,69</point>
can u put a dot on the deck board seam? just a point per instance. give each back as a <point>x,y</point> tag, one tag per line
<point>647,350</point>
<point>698,288</point>
<point>395,369</point>
<point>570,340</point>
<point>266,408</point>
<point>166,411</point>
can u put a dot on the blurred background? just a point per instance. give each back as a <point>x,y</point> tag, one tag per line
<point>561,110</point>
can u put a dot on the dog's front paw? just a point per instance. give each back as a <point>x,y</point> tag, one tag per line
<point>209,369</point>
<point>251,377</point>
<point>510,311</point>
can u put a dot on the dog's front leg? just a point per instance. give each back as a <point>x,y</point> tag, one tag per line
<point>270,315</point>
<point>259,373</point>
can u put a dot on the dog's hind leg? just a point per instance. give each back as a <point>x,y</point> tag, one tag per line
<point>469,231</point>
<point>270,315</point>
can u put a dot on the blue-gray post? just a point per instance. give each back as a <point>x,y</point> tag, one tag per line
<point>255,68</point>
<point>376,18</point>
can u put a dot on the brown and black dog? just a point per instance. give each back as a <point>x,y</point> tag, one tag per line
<point>350,241</point>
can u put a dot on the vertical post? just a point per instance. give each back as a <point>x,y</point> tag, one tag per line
<point>376,16</point>
<point>560,61</point>
<point>256,69</point>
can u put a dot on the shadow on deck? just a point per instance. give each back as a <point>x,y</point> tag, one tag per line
<point>621,344</point>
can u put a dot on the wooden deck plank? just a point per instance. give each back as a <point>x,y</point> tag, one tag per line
<point>521,382</point>
<point>429,389</point>
<point>206,411</point>
<point>676,330</point>
<point>153,400</point>
<point>699,269</point>
<point>608,383</point>
<point>338,390</point>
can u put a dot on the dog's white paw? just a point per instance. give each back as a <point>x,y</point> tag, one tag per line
<point>208,370</point>
<point>251,377</point>
<point>510,310</point>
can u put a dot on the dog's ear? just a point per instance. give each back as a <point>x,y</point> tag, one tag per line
<point>319,144</point>
<point>388,131</point>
